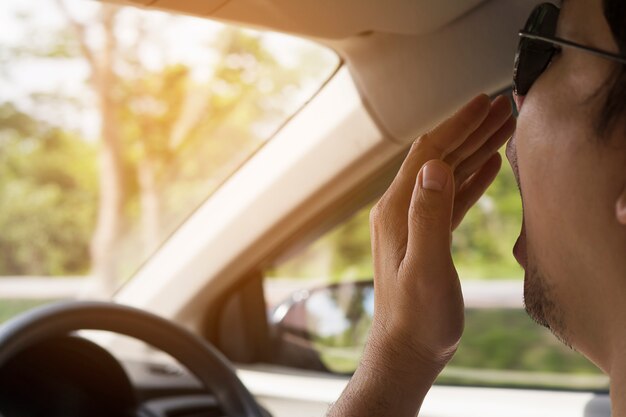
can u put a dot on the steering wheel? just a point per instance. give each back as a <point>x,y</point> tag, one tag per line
<point>211,368</point>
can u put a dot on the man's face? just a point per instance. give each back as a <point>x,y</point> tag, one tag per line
<point>571,246</point>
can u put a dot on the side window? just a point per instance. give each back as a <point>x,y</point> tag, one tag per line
<point>321,302</point>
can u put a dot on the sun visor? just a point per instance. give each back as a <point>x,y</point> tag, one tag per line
<point>200,8</point>
<point>410,82</point>
<point>203,8</point>
<point>330,19</point>
<point>345,18</point>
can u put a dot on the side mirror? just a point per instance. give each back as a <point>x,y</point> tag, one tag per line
<point>324,328</point>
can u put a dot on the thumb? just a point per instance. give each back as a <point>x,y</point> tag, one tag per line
<point>430,217</point>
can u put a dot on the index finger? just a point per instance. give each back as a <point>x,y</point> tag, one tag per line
<point>436,144</point>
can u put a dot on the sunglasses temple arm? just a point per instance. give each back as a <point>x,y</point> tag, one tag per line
<point>569,44</point>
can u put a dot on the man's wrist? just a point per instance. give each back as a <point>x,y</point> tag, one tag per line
<point>387,359</point>
<point>392,379</point>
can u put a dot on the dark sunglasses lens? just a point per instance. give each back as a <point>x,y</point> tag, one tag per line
<point>533,56</point>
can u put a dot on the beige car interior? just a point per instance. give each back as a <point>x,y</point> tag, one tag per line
<point>406,64</point>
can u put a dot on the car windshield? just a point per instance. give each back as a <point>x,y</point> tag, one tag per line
<point>116,123</point>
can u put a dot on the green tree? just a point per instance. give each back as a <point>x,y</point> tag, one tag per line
<point>163,133</point>
<point>481,246</point>
<point>47,193</point>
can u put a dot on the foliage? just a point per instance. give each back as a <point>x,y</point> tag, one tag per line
<point>177,133</point>
<point>481,245</point>
<point>509,339</point>
<point>188,150</point>
<point>47,195</point>
<point>13,307</point>
<point>499,347</point>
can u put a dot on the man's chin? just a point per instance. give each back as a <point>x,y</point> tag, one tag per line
<point>534,299</point>
<point>541,306</point>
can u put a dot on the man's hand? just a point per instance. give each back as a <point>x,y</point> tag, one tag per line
<point>418,315</point>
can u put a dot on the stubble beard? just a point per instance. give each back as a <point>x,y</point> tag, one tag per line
<point>541,306</point>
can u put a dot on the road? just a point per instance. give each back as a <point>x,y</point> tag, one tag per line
<point>477,294</point>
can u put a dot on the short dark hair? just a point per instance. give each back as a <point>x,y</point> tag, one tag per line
<point>614,109</point>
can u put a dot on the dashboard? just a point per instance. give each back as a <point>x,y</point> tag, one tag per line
<point>71,376</point>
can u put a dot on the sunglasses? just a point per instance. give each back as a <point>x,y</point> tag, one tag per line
<point>538,45</point>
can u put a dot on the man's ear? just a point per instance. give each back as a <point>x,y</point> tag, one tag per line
<point>620,208</point>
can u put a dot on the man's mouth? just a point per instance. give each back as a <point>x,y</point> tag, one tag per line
<point>519,101</point>
<point>520,250</point>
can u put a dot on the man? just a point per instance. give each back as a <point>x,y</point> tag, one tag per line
<point>569,157</point>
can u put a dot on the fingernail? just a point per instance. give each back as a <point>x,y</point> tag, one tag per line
<point>434,177</point>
